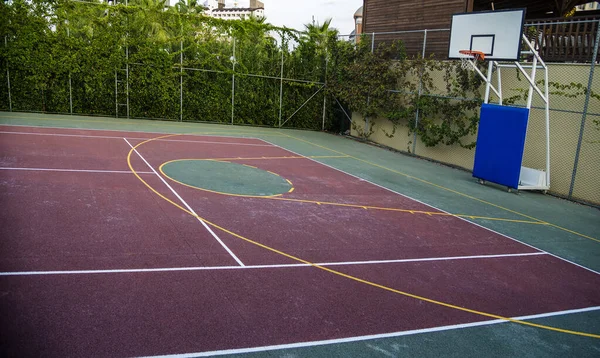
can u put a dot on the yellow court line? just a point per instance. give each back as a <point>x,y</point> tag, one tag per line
<point>160,168</point>
<point>325,156</point>
<point>341,274</point>
<point>429,213</point>
<point>448,189</point>
<point>366,207</point>
<point>268,158</point>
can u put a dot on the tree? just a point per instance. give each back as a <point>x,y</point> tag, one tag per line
<point>151,22</point>
<point>189,7</point>
<point>318,34</point>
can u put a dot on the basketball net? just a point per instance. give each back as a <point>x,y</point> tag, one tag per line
<point>466,56</point>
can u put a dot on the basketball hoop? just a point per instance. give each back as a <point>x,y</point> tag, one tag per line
<point>467,55</point>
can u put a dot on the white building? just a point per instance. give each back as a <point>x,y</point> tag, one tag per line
<point>594,5</point>
<point>216,8</point>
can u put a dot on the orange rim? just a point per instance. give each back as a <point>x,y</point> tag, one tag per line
<point>477,55</point>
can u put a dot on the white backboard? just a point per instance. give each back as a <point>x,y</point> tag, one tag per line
<point>495,33</point>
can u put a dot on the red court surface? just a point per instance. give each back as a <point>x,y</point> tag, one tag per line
<point>95,263</point>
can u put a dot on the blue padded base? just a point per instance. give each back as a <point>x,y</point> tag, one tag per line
<point>500,144</point>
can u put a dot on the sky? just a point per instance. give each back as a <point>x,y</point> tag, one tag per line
<point>296,13</point>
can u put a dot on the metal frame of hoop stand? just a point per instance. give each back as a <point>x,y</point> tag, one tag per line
<point>530,179</point>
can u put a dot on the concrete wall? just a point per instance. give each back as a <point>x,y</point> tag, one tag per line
<point>564,134</point>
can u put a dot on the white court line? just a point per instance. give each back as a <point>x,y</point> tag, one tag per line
<point>187,206</point>
<point>273,266</point>
<point>157,140</point>
<point>434,207</point>
<point>74,170</point>
<point>121,131</point>
<point>373,336</point>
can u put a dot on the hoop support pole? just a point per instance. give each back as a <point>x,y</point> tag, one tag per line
<point>483,77</point>
<point>545,95</point>
<point>488,82</point>
<point>499,83</point>
<point>531,83</point>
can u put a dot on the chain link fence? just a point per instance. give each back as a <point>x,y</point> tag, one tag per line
<point>234,83</point>
<point>574,105</point>
<point>133,93</point>
<point>220,77</point>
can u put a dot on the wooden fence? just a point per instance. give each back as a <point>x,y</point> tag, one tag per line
<point>564,39</point>
<point>561,40</point>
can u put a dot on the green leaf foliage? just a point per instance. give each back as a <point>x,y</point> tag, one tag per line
<point>149,55</point>
<point>364,76</point>
<point>167,62</point>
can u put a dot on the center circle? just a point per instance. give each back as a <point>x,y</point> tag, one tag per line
<point>225,177</point>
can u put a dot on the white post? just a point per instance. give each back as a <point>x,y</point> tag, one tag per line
<point>532,84</point>
<point>499,83</point>
<point>372,42</point>
<point>488,82</point>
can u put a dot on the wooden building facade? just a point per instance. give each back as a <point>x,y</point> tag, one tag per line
<point>384,16</point>
<point>406,19</point>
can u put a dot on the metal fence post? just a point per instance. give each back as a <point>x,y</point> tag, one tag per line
<point>116,93</point>
<point>414,148</point>
<point>281,87</point>
<point>324,92</point>
<point>181,82</point>
<point>127,77</point>
<point>233,83</point>
<point>127,64</point>
<point>324,110</point>
<point>70,94</point>
<point>70,84</point>
<point>372,42</point>
<point>585,109</point>
<point>368,96</point>
<point>8,76</point>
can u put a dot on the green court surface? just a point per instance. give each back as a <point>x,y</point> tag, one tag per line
<point>225,177</point>
<point>568,230</point>
<point>492,341</point>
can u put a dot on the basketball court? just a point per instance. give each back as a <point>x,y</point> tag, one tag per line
<point>146,238</point>
<point>121,243</point>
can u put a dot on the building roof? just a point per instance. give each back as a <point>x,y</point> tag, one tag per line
<point>359,12</point>
<point>535,8</point>
<point>231,9</point>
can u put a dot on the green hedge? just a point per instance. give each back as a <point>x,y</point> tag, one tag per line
<point>50,41</point>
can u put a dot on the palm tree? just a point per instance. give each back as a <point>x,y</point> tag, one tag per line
<point>319,34</point>
<point>151,21</point>
<point>189,7</point>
